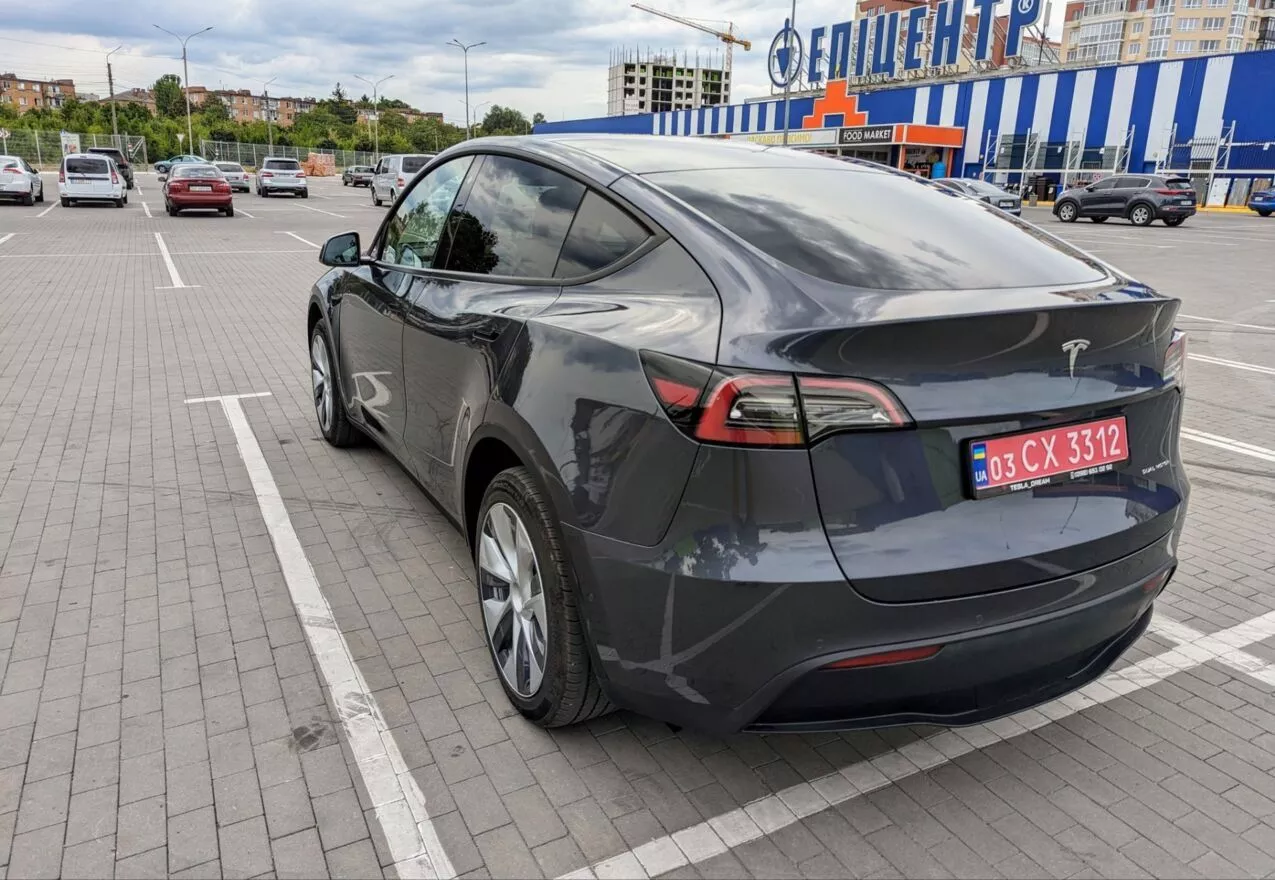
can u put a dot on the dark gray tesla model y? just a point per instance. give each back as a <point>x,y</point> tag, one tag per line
<point>749,438</point>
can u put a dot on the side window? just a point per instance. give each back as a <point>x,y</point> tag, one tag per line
<point>1137,182</point>
<point>1105,183</point>
<point>514,221</point>
<point>412,234</point>
<point>600,234</point>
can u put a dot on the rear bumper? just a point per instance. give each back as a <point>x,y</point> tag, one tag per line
<point>726,623</point>
<point>1262,206</point>
<point>17,189</point>
<point>201,200</point>
<point>1172,211</point>
<point>276,186</point>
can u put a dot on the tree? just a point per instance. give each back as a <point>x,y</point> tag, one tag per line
<point>504,120</point>
<point>169,100</point>
<point>537,119</point>
<point>338,95</point>
<point>214,109</point>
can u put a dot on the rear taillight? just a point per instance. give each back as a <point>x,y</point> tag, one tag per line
<point>14,170</point>
<point>300,175</point>
<point>114,177</point>
<point>221,186</point>
<point>1176,192</point>
<point>61,175</point>
<point>266,174</point>
<point>766,409</point>
<point>1174,372</point>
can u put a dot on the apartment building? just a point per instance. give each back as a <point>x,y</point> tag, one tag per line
<point>409,114</point>
<point>244,106</point>
<point>24,94</point>
<point>1097,31</point>
<point>640,82</point>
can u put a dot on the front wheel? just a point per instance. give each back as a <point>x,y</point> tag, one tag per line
<point>376,200</point>
<point>531,606</point>
<point>1140,215</point>
<point>328,407</point>
<point>1067,212</point>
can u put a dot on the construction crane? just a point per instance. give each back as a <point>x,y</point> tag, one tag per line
<point>727,36</point>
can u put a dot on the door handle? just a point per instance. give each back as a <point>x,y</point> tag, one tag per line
<point>486,334</point>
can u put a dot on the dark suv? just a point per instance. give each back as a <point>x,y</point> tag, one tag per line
<point>1140,198</point>
<point>121,162</point>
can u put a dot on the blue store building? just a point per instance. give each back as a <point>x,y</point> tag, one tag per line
<point>1211,118</point>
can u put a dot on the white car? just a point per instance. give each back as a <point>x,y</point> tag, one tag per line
<point>87,178</point>
<point>235,175</point>
<point>278,175</point>
<point>393,173</point>
<point>19,181</point>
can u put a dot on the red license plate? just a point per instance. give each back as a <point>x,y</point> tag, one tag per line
<point>1014,462</point>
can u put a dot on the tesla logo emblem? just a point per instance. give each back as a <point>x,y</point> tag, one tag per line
<point>1073,348</point>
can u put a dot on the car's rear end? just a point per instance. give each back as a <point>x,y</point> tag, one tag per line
<point>198,187</point>
<point>937,475</point>
<point>282,176</point>
<point>15,182</point>
<point>235,175</point>
<point>1263,202</point>
<point>1174,198</point>
<point>360,175</point>
<point>87,178</point>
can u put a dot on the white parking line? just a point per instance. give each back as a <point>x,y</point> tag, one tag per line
<point>4,238</point>
<point>1237,446</point>
<point>147,209</point>
<point>172,267</point>
<point>1238,365</point>
<point>1228,323</point>
<point>297,237</point>
<point>48,209</point>
<point>245,213</point>
<point>396,798</point>
<point>321,211</point>
<point>775,812</point>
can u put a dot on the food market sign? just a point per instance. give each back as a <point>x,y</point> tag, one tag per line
<point>870,47</point>
<point>866,134</point>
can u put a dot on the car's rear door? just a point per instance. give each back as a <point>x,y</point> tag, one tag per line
<point>502,243</point>
<point>1126,189</point>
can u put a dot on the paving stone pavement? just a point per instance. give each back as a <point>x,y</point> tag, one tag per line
<point>162,714</point>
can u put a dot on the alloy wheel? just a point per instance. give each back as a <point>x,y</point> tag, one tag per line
<point>1140,215</point>
<point>1067,213</point>
<point>321,380</point>
<point>513,600</point>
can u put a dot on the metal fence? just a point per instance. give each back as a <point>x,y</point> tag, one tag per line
<point>1223,169</point>
<point>44,148</point>
<point>1019,157</point>
<point>254,154</point>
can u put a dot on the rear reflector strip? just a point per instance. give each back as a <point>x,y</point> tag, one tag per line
<point>887,658</point>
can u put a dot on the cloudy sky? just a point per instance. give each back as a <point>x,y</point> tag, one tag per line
<point>540,55</point>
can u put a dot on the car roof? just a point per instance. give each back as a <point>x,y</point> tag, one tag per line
<point>648,154</point>
<point>98,156</point>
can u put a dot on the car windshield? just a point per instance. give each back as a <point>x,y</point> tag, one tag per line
<point>876,229</point>
<point>412,164</point>
<point>361,169</point>
<point>85,165</point>
<point>283,164</point>
<point>230,166</point>
<point>191,170</point>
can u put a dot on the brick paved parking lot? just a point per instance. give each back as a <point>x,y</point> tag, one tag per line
<point>227,649</point>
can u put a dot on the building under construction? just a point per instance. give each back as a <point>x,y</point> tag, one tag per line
<point>645,81</point>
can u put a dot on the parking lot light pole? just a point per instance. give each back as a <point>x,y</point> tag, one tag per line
<point>265,99</point>
<point>469,128</point>
<point>110,85</point>
<point>376,113</point>
<point>190,132</point>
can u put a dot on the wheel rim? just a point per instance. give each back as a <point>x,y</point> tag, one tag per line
<point>513,600</point>
<point>1068,212</point>
<point>320,377</point>
<point>1139,215</point>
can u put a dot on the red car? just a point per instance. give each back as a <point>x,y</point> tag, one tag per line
<point>198,186</point>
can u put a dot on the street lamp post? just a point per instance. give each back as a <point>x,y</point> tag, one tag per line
<point>190,133</point>
<point>376,112</point>
<point>469,128</point>
<point>110,85</point>
<point>265,99</point>
<point>478,108</point>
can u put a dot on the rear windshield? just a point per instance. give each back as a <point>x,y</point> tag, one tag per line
<point>412,164</point>
<point>876,229</point>
<point>114,154</point>
<point>230,166</point>
<point>283,164</point>
<point>189,170</point>
<point>1178,184</point>
<point>87,166</point>
<point>361,168</point>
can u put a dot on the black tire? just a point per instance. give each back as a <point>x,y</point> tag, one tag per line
<point>261,192</point>
<point>66,203</point>
<point>229,212</point>
<point>1141,214</point>
<point>130,184</point>
<point>376,200</point>
<point>569,692</point>
<point>172,210</point>
<point>40,198</point>
<point>1174,221</point>
<point>1263,213</point>
<point>1068,212</point>
<point>28,200</point>
<point>305,194</point>
<point>119,203</point>
<point>340,432</point>
<point>1098,219</point>
<point>345,183</point>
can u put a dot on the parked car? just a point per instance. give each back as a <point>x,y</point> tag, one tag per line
<point>1008,202</point>
<point>393,173</point>
<point>84,177</point>
<point>162,168</point>
<point>357,175</point>
<point>1141,198</point>
<point>1263,202</point>
<point>121,162</point>
<point>19,181</point>
<point>235,175</point>
<point>278,175</point>
<point>199,187</point>
<point>745,438</point>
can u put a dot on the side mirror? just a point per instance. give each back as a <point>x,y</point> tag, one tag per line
<point>341,250</point>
